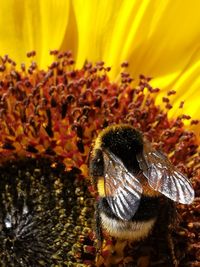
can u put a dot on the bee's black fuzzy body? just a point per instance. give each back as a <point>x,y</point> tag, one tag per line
<point>125,142</point>
<point>135,183</point>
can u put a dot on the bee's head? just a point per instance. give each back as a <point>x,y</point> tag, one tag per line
<point>123,141</point>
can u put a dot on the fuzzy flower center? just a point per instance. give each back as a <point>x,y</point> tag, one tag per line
<point>51,117</point>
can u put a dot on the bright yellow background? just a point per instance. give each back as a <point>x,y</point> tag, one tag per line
<point>159,38</point>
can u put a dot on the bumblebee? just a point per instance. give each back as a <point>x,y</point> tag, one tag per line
<point>131,178</point>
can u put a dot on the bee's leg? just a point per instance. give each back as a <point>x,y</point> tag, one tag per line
<point>98,230</point>
<point>99,236</point>
<point>172,251</point>
<point>172,215</point>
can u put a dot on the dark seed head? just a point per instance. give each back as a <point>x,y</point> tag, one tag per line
<point>38,211</point>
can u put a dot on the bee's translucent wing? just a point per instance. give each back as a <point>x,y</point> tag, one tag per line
<point>163,177</point>
<point>122,189</point>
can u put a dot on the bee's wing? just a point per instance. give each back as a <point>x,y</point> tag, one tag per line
<point>122,189</point>
<point>163,177</point>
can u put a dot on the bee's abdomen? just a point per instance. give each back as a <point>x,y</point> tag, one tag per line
<point>148,209</point>
<point>140,224</point>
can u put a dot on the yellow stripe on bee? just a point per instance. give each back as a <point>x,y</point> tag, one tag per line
<point>101,187</point>
<point>129,230</point>
<point>148,191</point>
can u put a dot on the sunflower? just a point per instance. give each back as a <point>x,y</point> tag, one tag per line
<point>52,105</point>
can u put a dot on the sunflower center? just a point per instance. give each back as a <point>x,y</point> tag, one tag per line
<point>48,119</point>
<point>41,214</point>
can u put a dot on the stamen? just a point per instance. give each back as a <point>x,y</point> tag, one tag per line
<point>55,115</point>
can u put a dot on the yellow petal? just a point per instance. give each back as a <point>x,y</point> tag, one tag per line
<point>94,20</point>
<point>159,39</point>
<point>186,82</point>
<point>32,25</point>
